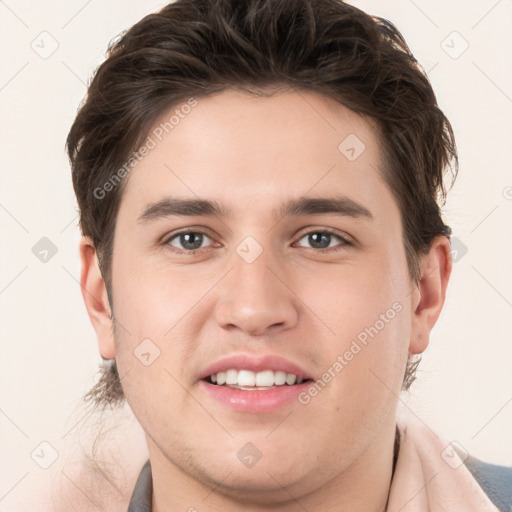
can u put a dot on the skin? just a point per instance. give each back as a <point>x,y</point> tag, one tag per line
<point>251,155</point>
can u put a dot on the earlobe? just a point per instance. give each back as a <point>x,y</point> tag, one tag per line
<point>94,293</point>
<point>429,294</point>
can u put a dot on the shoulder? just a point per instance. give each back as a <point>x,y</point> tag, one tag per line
<point>496,481</point>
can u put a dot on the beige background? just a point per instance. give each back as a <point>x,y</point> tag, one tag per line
<point>49,353</point>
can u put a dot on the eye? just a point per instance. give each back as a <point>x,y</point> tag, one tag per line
<point>322,239</point>
<point>187,241</point>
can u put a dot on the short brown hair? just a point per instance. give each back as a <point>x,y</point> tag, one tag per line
<point>195,48</point>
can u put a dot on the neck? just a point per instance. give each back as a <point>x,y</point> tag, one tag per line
<point>361,487</point>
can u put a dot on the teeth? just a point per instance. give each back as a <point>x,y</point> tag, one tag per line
<point>290,379</point>
<point>247,378</point>
<point>265,378</point>
<point>280,378</point>
<point>231,377</point>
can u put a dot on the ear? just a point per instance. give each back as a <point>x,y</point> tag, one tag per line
<point>429,294</point>
<point>94,292</point>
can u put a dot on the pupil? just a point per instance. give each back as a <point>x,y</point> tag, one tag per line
<point>191,240</point>
<point>320,240</point>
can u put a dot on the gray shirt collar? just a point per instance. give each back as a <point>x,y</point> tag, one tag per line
<point>141,497</point>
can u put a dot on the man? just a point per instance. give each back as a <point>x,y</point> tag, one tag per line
<point>264,256</point>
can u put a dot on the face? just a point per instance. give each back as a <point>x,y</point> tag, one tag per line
<point>257,241</point>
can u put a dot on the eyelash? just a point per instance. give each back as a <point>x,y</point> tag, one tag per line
<point>343,241</point>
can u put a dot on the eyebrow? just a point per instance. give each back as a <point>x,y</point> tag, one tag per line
<point>338,205</point>
<point>172,206</point>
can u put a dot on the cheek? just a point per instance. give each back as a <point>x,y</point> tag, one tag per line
<point>350,297</point>
<point>151,345</point>
<point>151,299</point>
<point>362,318</point>
<point>158,322</point>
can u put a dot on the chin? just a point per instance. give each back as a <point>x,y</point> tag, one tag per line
<point>258,487</point>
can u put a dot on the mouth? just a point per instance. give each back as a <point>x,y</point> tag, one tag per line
<point>254,384</point>
<point>248,380</point>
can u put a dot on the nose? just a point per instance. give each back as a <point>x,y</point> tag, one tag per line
<point>256,299</point>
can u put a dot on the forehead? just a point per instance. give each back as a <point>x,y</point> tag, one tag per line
<point>248,152</point>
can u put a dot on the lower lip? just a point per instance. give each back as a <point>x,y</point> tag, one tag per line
<point>267,400</point>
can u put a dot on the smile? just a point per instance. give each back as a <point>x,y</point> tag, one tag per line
<point>250,381</point>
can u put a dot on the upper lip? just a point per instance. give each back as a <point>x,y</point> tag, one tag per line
<point>255,364</point>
